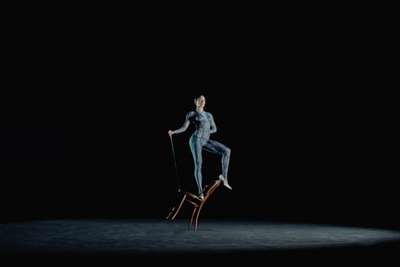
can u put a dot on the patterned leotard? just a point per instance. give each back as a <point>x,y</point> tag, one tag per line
<point>205,126</point>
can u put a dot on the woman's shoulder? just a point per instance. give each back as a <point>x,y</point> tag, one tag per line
<point>191,114</point>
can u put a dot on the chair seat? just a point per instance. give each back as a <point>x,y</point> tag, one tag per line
<point>192,195</point>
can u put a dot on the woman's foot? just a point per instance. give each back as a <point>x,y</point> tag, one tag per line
<point>201,196</point>
<point>225,182</point>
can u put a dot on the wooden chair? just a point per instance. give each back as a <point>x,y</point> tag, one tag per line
<point>196,202</point>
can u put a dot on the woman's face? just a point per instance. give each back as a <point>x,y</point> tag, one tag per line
<point>201,102</point>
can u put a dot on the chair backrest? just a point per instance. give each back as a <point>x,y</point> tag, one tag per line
<point>210,188</point>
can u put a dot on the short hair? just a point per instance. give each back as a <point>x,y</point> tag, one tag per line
<point>196,98</point>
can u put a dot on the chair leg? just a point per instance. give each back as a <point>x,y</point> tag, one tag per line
<point>191,219</point>
<point>176,213</point>
<point>169,215</point>
<point>197,217</point>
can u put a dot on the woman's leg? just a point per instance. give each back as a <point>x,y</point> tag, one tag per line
<point>218,148</point>
<point>196,148</point>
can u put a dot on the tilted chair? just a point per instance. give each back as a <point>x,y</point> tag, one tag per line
<point>196,202</point>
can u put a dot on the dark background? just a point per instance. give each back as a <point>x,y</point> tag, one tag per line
<point>86,112</point>
<point>296,156</point>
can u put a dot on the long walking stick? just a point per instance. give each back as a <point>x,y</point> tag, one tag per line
<point>176,168</point>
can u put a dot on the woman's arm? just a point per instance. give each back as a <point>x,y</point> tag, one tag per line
<point>184,127</point>
<point>213,128</point>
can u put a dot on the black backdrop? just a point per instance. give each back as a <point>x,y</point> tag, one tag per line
<point>300,105</point>
<point>297,155</point>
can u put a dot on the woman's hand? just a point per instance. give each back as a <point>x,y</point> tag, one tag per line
<point>170,133</point>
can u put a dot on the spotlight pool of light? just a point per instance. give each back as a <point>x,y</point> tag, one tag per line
<point>135,237</point>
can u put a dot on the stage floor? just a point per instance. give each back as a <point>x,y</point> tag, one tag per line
<point>121,238</point>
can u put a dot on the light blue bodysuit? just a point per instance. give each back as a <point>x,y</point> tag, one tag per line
<point>200,140</point>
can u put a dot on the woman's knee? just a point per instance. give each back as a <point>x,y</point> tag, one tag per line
<point>228,151</point>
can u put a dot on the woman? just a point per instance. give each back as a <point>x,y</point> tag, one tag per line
<point>200,140</point>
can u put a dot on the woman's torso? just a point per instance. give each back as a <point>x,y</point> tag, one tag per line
<point>202,121</point>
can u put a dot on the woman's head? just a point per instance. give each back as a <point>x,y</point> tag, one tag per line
<point>200,101</point>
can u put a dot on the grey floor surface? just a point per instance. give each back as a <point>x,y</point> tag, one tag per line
<point>165,238</point>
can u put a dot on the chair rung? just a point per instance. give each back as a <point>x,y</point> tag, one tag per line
<point>194,204</point>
